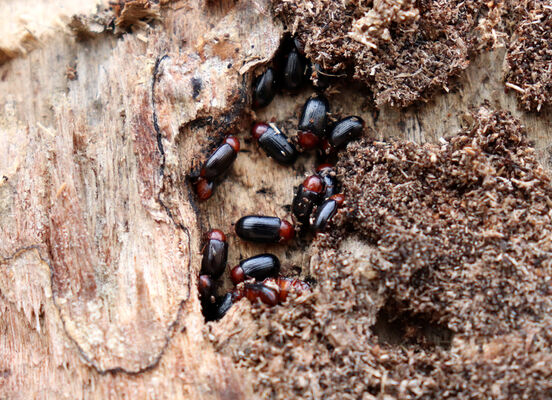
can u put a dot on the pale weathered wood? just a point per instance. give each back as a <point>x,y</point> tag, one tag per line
<point>99,237</point>
<point>98,251</point>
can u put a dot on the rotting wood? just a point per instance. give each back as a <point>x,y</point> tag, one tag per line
<point>67,146</point>
<point>85,195</point>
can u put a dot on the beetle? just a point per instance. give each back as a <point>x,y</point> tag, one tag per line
<point>259,267</point>
<point>215,254</point>
<point>263,229</point>
<point>271,292</point>
<point>203,189</point>
<point>274,143</point>
<point>264,89</point>
<point>224,305</point>
<point>308,195</point>
<point>221,159</point>
<point>257,291</point>
<point>284,286</point>
<point>325,212</point>
<point>205,286</point>
<point>314,116</point>
<point>308,140</point>
<point>251,291</point>
<point>294,71</point>
<point>345,130</point>
<point>331,184</point>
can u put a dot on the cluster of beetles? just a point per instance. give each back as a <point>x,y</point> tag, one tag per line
<point>315,202</point>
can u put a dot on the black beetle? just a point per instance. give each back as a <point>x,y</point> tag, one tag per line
<point>308,195</point>
<point>331,184</point>
<point>345,130</point>
<point>259,267</point>
<point>264,89</point>
<point>325,212</point>
<point>314,116</point>
<point>294,71</point>
<point>221,159</point>
<point>274,143</point>
<point>215,254</point>
<point>264,229</point>
<point>224,305</point>
<point>205,286</point>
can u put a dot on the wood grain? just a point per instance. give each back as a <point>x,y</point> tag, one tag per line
<point>99,230</point>
<point>100,241</point>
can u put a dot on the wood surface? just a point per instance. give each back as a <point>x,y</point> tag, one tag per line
<point>100,233</point>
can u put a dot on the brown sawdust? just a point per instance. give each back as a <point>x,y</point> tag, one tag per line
<point>402,50</point>
<point>529,56</point>
<point>460,237</point>
<point>405,50</point>
<point>118,17</point>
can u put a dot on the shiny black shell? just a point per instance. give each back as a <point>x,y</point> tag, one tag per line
<point>264,89</point>
<point>276,145</point>
<point>346,130</point>
<point>314,116</point>
<point>215,254</point>
<point>261,266</point>
<point>294,71</point>
<point>259,229</point>
<point>323,214</point>
<point>224,305</point>
<point>331,184</point>
<point>219,162</point>
<point>303,203</point>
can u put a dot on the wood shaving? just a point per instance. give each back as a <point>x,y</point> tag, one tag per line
<point>460,238</point>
